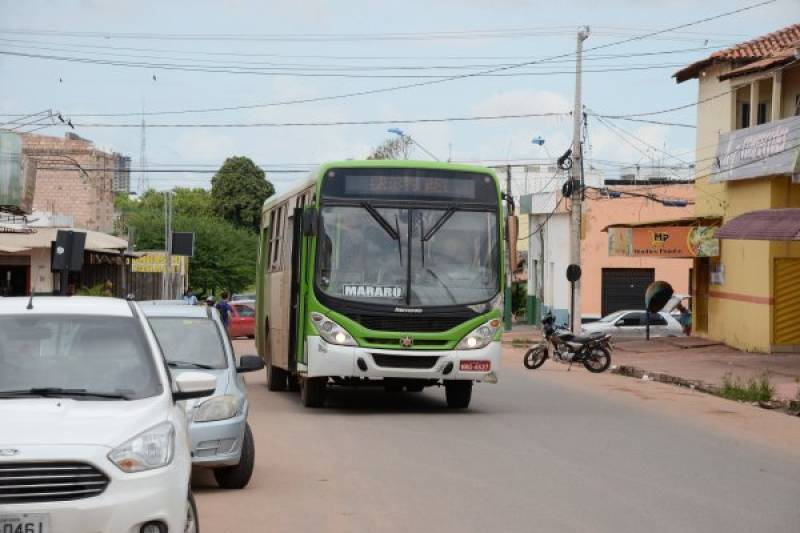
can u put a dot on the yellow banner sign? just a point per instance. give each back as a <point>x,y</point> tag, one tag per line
<point>155,263</point>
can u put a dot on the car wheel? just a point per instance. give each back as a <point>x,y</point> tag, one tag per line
<point>192,521</point>
<point>237,477</point>
<point>458,393</point>
<point>313,391</point>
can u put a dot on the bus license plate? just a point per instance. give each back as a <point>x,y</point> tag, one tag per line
<point>24,523</point>
<point>475,366</point>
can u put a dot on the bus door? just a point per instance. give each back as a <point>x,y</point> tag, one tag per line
<point>295,308</point>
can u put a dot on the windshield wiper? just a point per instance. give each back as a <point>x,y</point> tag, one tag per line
<point>189,364</point>
<point>47,392</point>
<point>394,234</point>
<point>439,223</point>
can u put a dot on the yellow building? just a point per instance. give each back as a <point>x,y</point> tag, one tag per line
<point>748,141</point>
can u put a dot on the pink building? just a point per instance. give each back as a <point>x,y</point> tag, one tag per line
<point>608,283</point>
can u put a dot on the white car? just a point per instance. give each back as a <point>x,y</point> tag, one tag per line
<point>632,323</point>
<point>93,435</point>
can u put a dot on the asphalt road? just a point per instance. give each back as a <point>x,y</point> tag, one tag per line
<point>545,450</point>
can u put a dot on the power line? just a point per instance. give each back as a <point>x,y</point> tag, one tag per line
<point>438,80</point>
<point>598,57</point>
<point>265,72</point>
<point>541,31</point>
<point>322,123</point>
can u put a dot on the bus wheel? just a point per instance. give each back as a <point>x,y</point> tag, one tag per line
<point>313,391</point>
<point>276,377</point>
<point>458,393</point>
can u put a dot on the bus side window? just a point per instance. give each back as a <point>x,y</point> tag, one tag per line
<point>270,242</point>
<point>278,238</point>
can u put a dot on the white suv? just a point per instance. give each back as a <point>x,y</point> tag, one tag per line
<point>92,439</point>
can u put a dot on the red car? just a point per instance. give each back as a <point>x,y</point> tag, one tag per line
<point>242,320</point>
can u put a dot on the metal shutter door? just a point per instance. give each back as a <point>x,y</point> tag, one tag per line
<point>624,288</point>
<point>787,302</point>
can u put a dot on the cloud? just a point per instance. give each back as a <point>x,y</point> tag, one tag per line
<point>523,102</point>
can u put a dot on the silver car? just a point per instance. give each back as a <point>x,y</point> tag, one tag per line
<point>192,338</point>
<point>631,323</point>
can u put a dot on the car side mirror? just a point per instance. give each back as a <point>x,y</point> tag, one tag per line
<point>249,363</point>
<point>619,323</point>
<point>194,385</point>
<point>310,221</point>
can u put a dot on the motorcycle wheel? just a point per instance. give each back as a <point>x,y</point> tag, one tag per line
<point>598,361</point>
<point>535,357</point>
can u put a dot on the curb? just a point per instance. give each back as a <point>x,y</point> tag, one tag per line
<point>790,407</point>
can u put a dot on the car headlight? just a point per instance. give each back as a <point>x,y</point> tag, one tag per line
<point>148,450</point>
<point>331,331</point>
<point>217,408</point>
<point>480,336</point>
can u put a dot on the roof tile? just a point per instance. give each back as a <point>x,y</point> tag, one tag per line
<point>773,45</point>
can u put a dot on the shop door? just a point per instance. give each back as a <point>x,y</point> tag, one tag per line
<point>624,288</point>
<point>787,302</point>
<point>700,296</point>
<point>14,280</point>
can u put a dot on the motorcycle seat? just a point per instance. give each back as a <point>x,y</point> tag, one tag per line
<point>582,339</point>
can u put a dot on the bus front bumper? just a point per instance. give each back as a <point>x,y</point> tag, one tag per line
<point>325,359</point>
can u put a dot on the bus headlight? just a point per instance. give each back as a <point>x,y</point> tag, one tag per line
<point>331,331</point>
<point>480,337</point>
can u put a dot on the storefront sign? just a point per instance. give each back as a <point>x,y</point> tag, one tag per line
<point>663,241</point>
<point>767,150</point>
<point>155,263</point>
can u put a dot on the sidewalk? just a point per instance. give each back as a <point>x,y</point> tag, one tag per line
<point>685,360</point>
<point>695,359</point>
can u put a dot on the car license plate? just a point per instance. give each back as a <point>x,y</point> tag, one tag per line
<point>24,523</point>
<point>475,366</point>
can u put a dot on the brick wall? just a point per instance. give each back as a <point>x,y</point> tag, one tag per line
<point>62,189</point>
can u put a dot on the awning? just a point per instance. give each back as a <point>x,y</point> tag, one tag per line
<point>95,241</point>
<point>680,221</point>
<point>12,249</point>
<point>764,225</point>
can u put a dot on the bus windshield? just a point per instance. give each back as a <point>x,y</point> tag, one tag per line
<point>408,256</point>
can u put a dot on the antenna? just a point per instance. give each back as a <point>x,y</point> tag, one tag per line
<point>143,181</point>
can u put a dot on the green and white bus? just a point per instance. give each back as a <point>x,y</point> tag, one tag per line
<point>382,272</point>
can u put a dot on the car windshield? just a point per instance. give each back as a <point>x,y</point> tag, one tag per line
<point>364,255</point>
<point>103,355</point>
<point>190,342</point>
<point>613,317</point>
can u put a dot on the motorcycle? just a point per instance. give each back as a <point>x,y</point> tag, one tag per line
<point>594,351</point>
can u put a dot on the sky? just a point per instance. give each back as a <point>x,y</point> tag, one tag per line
<point>246,48</point>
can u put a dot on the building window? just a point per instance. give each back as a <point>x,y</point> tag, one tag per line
<point>743,120</point>
<point>763,113</point>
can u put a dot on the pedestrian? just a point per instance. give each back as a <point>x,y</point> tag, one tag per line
<point>224,309</point>
<point>108,289</point>
<point>210,301</point>
<point>685,319</point>
<point>189,297</point>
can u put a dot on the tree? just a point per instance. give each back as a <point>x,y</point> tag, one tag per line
<point>225,255</point>
<point>396,148</point>
<point>238,191</point>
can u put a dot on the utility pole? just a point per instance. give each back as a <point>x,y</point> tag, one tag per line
<point>576,179</point>
<point>510,268</point>
<point>167,280</point>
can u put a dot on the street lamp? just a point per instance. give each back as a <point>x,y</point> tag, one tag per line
<point>400,133</point>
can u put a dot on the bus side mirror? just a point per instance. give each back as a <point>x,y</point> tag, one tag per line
<point>310,221</point>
